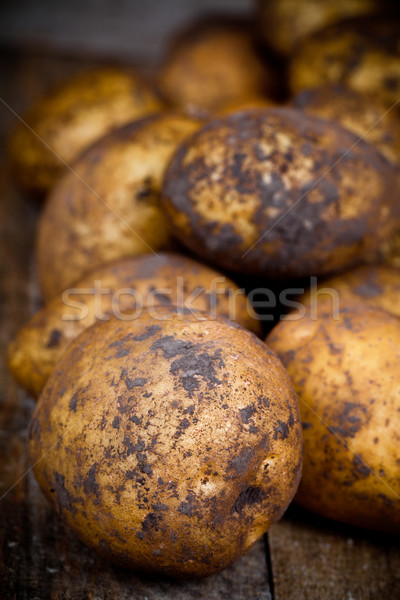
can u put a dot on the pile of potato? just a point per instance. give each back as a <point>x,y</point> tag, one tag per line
<point>167,434</point>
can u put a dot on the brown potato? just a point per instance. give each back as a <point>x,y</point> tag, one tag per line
<point>365,115</point>
<point>276,192</point>
<point>346,374</point>
<point>390,251</point>
<point>109,207</point>
<point>238,105</point>
<point>168,446</point>
<point>360,53</point>
<point>373,285</point>
<point>283,23</point>
<point>71,118</point>
<point>212,65</point>
<point>123,289</point>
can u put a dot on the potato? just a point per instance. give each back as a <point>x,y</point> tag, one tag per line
<point>390,250</point>
<point>71,118</point>
<point>346,374</point>
<point>373,285</point>
<point>253,102</point>
<point>275,192</point>
<point>124,289</point>
<point>365,115</point>
<point>283,23</point>
<point>214,64</point>
<point>168,446</point>
<point>362,54</point>
<point>109,207</point>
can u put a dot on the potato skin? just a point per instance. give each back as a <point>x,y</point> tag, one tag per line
<point>283,23</point>
<point>214,64</point>
<point>38,346</point>
<point>71,118</point>
<point>280,193</point>
<point>364,114</point>
<point>168,446</point>
<point>361,54</point>
<point>372,285</point>
<point>346,374</point>
<point>81,229</point>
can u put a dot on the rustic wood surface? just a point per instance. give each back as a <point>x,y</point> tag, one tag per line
<point>303,557</point>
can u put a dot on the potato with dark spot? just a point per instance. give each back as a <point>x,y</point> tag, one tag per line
<point>362,54</point>
<point>275,192</point>
<point>346,374</point>
<point>168,445</point>
<point>364,114</point>
<point>372,285</point>
<point>213,64</point>
<point>109,207</point>
<point>71,118</point>
<point>124,289</point>
<point>283,23</point>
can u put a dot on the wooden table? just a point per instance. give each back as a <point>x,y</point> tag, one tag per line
<point>302,557</point>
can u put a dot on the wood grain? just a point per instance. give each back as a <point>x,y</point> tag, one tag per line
<point>314,558</point>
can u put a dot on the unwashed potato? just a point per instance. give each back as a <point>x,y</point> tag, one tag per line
<point>72,117</point>
<point>362,54</point>
<point>373,285</point>
<point>283,23</point>
<point>168,446</point>
<point>364,114</point>
<point>346,374</point>
<point>214,64</point>
<point>124,289</point>
<point>108,208</point>
<point>275,192</point>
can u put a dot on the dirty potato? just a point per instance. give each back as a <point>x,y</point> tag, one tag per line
<point>168,446</point>
<point>364,114</point>
<point>283,23</point>
<point>275,192</point>
<point>346,374</point>
<point>124,289</point>
<point>212,65</point>
<point>362,54</point>
<point>108,207</point>
<point>71,118</point>
<point>373,285</point>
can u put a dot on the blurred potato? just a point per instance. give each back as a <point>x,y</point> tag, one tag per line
<point>214,64</point>
<point>61,125</point>
<point>275,192</point>
<point>247,103</point>
<point>124,289</point>
<point>372,285</point>
<point>390,250</point>
<point>362,54</point>
<point>283,23</point>
<point>364,114</point>
<point>346,374</point>
<point>108,207</point>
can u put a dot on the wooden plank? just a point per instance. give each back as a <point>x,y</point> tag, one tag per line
<point>39,558</point>
<point>314,558</point>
